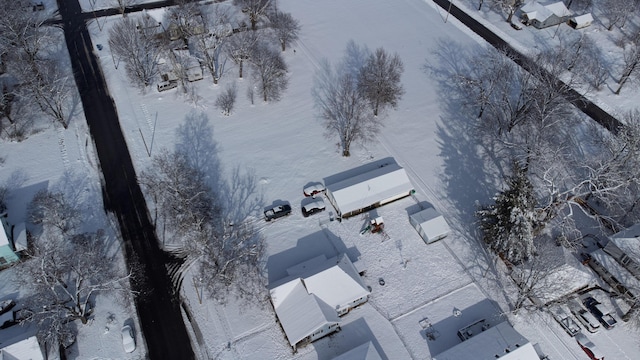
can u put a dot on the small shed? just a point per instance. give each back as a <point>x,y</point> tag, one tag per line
<point>582,21</point>
<point>367,187</point>
<point>430,224</point>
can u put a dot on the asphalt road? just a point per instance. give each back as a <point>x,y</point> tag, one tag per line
<point>158,307</point>
<point>586,106</point>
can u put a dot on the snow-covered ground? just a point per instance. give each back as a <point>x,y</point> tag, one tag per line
<point>284,143</point>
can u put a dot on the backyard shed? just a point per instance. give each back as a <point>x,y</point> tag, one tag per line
<point>582,21</point>
<point>430,225</point>
<point>367,187</point>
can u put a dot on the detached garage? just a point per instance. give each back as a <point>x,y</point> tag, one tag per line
<point>367,187</point>
<point>430,225</point>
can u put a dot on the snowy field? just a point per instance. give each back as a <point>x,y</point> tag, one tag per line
<point>284,144</point>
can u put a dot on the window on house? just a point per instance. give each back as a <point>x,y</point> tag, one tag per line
<point>625,259</point>
<point>2,260</point>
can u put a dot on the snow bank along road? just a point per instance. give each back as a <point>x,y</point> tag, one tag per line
<point>158,307</point>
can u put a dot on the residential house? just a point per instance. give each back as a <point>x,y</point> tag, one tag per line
<point>8,254</point>
<point>22,348</point>
<point>500,341</point>
<point>544,15</point>
<point>310,300</point>
<point>624,247</point>
<point>367,187</point>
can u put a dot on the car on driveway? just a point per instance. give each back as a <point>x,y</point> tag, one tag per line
<point>584,317</point>
<point>313,188</point>
<point>588,347</point>
<point>277,211</point>
<point>317,205</point>
<point>603,316</point>
<point>128,341</point>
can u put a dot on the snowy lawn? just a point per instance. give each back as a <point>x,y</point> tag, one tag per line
<point>283,142</point>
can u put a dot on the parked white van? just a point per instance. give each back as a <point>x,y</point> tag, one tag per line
<point>166,85</point>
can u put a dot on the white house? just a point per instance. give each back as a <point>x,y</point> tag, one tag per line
<point>310,300</point>
<point>430,225</point>
<point>25,349</point>
<point>500,341</point>
<point>367,187</point>
<point>582,21</point>
<point>544,15</point>
<point>624,247</point>
<point>303,316</point>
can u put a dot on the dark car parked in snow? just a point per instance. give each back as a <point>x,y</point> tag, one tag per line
<point>277,211</point>
<point>313,207</point>
<point>606,319</point>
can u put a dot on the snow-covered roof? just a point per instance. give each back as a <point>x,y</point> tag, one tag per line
<point>535,10</point>
<point>385,181</point>
<point>27,349</point>
<point>431,222</point>
<point>299,312</point>
<point>497,342</point>
<point>628,240</point>
<point>310,297</point>
<point>564,274</point>
<point>625,277</point>
<point>583,19</point>
<point>365,351</point>
<point>4,240</point>
<point>337,282</point>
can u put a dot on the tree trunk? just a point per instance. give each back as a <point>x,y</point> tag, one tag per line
<point>240,68</point>
<point>511,11</point>
<point>283,46</point>
<point>345,152</point>
<point>480,5</point>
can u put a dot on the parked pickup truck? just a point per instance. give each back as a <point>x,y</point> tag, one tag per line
<point>277,211</point>
<point>565,320</point>
<point>603,316</point>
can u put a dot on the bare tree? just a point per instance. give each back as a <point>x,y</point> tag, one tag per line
<point>227,99</point>
<point>54,210</point>
<point>255,9</point>
<point>137,44</point>
<point>185,19</point>
<point>379,80</point>
<point>179,192</point>
<point>62,276</point>
<point>51,86</point>
<point>208,45</point>
<point>122,5</point>
<point>269,72</point>
<point>285,27</point>
<point>631,57</point>
<point>509,7</point>
<point>240,47</point>
<point>617,12</point>
<point>342,107</point>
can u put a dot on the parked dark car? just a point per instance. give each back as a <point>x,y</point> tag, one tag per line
<point>606,319</point>
<point>313,207</point>
<point>277,211</point>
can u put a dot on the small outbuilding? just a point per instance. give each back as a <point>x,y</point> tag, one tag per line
<point>367,187</point>
<point>8,254</point>
<point>430,224</point>
<point>582,21</point>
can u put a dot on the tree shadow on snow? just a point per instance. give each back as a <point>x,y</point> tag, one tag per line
<point>471,169</point>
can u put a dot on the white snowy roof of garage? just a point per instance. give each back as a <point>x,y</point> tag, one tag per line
<point>337,282</point>
<point>299,312</point>
<point>497,342</point>
<point>362,190</point>
<point>583,19</point>
<point>431,222</point>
